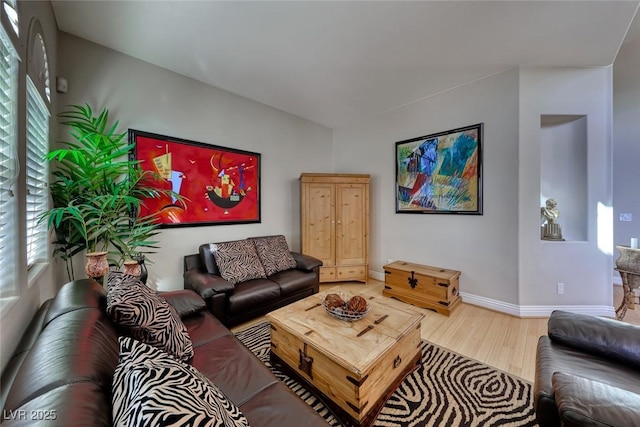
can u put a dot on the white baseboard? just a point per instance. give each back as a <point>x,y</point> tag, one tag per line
<point>376,275</point>
<point>524,311</point>
<point>536,310</point>
<point>491,304</point>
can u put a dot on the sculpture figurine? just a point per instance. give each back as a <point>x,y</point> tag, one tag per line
<point>550,229</point>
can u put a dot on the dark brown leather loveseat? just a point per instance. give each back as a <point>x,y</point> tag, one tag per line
<point>236,303</point>
<point>587,372</point>
<point>61,372</point>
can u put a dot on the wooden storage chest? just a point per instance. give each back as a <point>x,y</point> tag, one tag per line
<point>355,365</point>
<point>433,288</point>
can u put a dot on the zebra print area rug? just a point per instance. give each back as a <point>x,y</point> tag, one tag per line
<point>447,389</point>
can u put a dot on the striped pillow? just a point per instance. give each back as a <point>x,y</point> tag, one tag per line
<point>150,388</point>
<point>238,261</point>
<point>147,316</point>
<point>274,254</point>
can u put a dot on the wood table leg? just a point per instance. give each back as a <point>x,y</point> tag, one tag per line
<point>628,297</point>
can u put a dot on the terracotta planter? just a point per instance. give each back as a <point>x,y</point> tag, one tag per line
<point>97,264</point>
<point>132,268</point>
<point>137,268</point>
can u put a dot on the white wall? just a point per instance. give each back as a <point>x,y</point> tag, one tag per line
<point>626,142</point>
<point>484,248</point>
<point>145,97</point>
<point>504,263</point>
<point>583,266</point>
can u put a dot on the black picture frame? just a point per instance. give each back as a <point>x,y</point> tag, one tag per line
<point>219,185</point>
<point>440,173</point>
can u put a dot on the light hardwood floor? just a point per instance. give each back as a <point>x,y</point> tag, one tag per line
<point>499,340</point>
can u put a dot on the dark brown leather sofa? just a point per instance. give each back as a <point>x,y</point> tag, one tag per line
<point>62,369</point>
<point>587,372</point>
<point>235,304</point>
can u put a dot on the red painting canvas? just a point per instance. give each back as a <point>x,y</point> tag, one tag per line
<point>217,185</point>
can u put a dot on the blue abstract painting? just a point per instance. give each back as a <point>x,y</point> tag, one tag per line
<point>440,173</point>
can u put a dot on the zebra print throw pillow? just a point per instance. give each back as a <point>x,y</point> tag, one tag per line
<point>238,261</point>
<point>150,388</point>
<point>147,316</point>
<point>274,254</point>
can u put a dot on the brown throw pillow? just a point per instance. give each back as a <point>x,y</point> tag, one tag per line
<point>150,388</point>
<point>238,261</point>
<point>274,254</point>
<point>147,316</point>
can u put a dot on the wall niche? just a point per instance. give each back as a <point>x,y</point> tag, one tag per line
<point>563,171</point>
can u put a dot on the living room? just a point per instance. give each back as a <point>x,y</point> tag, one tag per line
<point>504,265</point>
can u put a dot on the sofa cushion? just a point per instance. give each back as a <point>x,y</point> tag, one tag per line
<point>583,402</point>
<point>600,336</point>
<point>252,294</point>
<point>293,281</point>
<point>233,369</point>
<point>147,316</point>
<point>152,388</point>
<point>185,301</point>
<point>554,357</point>
<point>238,261</point>
<point>274,254</point>
<point>273,408</point>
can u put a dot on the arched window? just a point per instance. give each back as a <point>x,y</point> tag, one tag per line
<point>37,171</point>
<point>8,164</point>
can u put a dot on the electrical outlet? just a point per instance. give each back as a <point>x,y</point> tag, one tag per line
<point>626,217</point>
<point>389,260</point>
<point>560,288</point>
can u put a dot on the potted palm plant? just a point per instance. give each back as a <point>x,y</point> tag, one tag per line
<point>97,191</point>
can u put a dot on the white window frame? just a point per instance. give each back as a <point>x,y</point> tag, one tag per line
<point>9,167</point>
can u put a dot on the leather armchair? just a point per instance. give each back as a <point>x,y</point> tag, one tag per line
<point>587,372</point>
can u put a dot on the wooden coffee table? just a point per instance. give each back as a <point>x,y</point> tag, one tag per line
<point>353,366</point>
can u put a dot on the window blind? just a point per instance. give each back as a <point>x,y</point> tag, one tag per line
<point>8,165</point>
<point>11,9</point>
<point>37,175</point>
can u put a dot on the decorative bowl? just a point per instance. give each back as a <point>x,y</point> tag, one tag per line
<point>342,312</point>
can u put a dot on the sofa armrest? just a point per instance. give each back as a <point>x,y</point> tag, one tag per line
<point>306,262</point>
<point>603,337</point>
<point>192,262</point>
<point>583,402</point>
<point>206,284</point>
<point>186,302</point>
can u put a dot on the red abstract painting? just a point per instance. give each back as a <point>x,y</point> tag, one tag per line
<point>217,185</point>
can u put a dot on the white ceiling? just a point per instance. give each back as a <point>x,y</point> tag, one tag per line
<point>336,62</point>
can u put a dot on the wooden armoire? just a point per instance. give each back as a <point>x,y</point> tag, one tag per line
<point>334,219</point>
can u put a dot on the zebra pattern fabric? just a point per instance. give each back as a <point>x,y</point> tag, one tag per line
<point>238,261</point>
<point>147,316</point>
<point>150,388</point>
<point>446,389</point>
<point>274,254</point>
